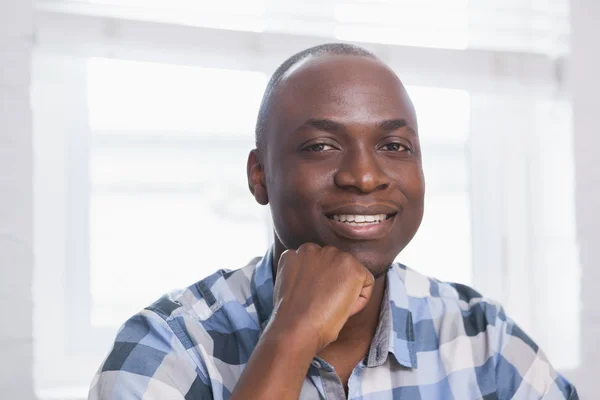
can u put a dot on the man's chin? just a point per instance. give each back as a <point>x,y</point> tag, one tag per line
<point>374,263</point>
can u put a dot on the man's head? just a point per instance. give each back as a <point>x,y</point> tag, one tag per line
<point>338,156</point>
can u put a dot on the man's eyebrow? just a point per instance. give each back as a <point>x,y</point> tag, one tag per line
<point>393,124</point>
<point>328,125</point>
<point>323,125</point>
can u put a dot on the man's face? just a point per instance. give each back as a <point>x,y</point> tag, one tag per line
<point>342,162</point>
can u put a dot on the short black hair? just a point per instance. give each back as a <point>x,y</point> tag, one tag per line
<point>323,49</point>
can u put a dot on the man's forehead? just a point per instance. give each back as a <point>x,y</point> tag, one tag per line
<point>343,85</point>
<point>337,65</point>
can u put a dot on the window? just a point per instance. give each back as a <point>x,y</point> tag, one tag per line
<point>157,202</point>
<point>443,116</point>
<point>168,179</point>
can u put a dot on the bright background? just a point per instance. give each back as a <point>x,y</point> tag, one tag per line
<point>143,114</point>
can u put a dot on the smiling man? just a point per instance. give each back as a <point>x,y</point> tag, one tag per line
<point>326,314</point>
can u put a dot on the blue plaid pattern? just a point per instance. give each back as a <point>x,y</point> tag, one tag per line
<point>434,341</point>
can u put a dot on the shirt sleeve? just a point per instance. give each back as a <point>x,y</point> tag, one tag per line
<point>522,370</point>
<point>149,362</point>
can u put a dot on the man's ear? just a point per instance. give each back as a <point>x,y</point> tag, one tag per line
<point>256,178</point>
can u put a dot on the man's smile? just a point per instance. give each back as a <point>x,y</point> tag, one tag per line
<point>351,219</point>
<point>361,222</point>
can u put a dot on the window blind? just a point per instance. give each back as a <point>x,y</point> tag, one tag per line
<point>539,26</point>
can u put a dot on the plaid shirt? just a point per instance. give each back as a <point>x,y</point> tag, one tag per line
<point>434,340</point>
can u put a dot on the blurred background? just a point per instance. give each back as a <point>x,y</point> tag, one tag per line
<point>125,127</point>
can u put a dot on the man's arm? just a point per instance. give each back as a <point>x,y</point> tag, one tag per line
<point>278,366</point>
<point>148,362</point>
<point>316,291</point>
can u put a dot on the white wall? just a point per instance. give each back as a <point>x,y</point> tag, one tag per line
<point>585,89</point>
<point>16,258</point>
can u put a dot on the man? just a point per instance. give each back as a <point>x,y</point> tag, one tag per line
<point>325,314</point>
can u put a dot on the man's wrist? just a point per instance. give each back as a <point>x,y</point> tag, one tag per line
<point>278,364</point>
<point>292,338</point>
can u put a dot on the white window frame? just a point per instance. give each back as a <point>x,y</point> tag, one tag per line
<point>502,226</point>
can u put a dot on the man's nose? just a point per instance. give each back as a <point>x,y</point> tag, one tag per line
<point>361,171</point>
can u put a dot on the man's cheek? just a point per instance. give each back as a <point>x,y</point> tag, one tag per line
<point>300,191</point>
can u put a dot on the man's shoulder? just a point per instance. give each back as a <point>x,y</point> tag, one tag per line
<point>204,298</point>
<point>450,298</point>
<point>421,285</point>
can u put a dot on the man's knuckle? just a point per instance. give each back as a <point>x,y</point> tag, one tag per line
<point>286,255</point>
<point>330,250</point>
<point>346,259</point>
<point>308,247</point>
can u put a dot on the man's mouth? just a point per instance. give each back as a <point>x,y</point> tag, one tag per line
<point>360,220</point>
<point>362,226</point>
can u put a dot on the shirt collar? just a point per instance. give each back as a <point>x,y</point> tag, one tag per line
<point>262,288</point>
<point>395,330</point>
<point>401,339</point>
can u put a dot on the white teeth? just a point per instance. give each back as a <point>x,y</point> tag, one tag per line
<point>359,219</point>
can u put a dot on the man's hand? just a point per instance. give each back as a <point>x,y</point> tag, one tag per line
<point>317,289</point>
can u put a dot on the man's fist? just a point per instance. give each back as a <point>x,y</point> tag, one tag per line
<point>317,289</point>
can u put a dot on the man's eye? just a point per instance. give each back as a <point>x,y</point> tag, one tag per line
<point>319,147</point>
<point>394,147</point>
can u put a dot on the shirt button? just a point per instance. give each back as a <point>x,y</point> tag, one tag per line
<point>316,364</point>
